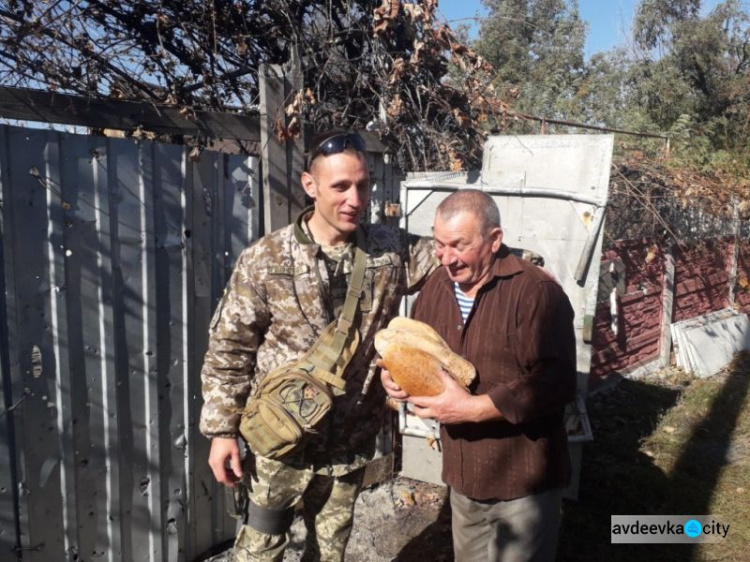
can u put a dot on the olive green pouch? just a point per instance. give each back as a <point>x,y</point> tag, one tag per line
<point>291,403</point>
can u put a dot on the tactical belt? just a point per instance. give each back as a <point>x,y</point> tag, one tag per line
<point>290,404</point>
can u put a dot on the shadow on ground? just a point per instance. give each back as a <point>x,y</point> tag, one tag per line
<point>619,476</point>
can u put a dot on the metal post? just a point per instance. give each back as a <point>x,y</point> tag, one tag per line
<point>281,160</point>
<point>667,306</point>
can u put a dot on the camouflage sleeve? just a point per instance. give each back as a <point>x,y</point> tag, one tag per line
<point>237,329</point>
<point>420,259</point>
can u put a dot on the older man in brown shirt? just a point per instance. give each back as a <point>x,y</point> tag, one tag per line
<point>505,454</point>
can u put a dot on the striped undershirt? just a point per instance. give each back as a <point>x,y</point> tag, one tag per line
<point>464,303</point>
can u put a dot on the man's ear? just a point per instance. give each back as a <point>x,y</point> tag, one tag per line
<point>309,185</point>
<point>497,239</point>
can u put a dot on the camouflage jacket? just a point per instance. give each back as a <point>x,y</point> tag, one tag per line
<point>275,306</point>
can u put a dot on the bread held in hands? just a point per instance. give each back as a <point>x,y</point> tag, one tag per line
<point>414,353</point>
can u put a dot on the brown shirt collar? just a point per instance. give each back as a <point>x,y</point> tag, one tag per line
<point>506,264</point>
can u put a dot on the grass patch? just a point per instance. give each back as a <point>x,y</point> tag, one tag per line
<point>668,445</point>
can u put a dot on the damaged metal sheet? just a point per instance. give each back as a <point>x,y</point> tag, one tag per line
<point>102,335</point>
<point>707,344</point>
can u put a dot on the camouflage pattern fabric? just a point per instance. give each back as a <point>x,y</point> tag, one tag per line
<point>335,259</point>
<point>528,255</point>
<point>329,511</point>
<point>276,304</point>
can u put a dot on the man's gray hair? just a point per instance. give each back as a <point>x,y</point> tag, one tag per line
<point>472,201</point>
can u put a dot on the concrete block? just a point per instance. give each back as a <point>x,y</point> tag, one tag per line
<point>706,344</point>
<point>420,461</point>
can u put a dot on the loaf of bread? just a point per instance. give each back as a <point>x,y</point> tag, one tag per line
<point>414,353</point>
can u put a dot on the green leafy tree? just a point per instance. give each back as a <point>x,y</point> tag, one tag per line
<point>655,18</point>
<point>604,90</point>
<point>537,49</point>
<point>693,76</point>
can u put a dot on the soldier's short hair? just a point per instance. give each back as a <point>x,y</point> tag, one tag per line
<point>333,141</point>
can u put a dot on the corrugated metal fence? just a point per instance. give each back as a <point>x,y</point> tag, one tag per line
<point>113,254</point>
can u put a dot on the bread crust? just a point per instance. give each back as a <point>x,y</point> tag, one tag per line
<point>413,370</point>
<point>414,353</point>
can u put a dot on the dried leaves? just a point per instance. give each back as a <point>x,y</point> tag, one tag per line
<point>441,117</point>
<point>384,62</point>
<point>649,200</point>
<point>384,16</point>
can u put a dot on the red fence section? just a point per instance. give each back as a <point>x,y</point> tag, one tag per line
<point>638,311</point>
<point>742,290</point>
<point>702,279</point>
<point>702,276</point>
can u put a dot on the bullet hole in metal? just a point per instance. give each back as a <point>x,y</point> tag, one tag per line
<point>36,361</point>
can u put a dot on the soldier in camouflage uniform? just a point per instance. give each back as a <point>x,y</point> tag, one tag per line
<point>284,291</point>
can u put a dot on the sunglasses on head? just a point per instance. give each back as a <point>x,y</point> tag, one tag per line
<point>337,144</point>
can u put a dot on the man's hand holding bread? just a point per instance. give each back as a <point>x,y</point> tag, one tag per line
<point>418,366</point>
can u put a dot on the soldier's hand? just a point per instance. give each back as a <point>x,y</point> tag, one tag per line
<point>391,388</point>
<point>225,450</point>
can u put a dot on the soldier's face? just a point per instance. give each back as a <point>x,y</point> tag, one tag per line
<point>466,254</point>
<point>340,186</point>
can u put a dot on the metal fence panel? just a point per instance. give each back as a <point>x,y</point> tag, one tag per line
<point>113,254</point>
<point>10,515</point>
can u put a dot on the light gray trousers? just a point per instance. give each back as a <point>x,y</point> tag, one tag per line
<point>522,530</point>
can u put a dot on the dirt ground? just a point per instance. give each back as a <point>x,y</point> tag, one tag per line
<point>401,520</point>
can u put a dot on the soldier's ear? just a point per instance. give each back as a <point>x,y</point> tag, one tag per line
<point>309,185</point>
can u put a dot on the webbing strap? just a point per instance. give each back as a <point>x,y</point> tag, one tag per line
<point>325,356</point>
<point>325,359</point>
<point>267,520</point>
<point>317,361</point>
<point>315,366</point>
<point>328,377</point>
<point>353,294</point>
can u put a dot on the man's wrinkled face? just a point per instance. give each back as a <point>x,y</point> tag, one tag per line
<point>465,253</point>
<point>340,186</point>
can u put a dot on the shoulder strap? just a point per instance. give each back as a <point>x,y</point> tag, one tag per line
<point>353,295</point>
<point>328,357</point>
<point>354,290</point>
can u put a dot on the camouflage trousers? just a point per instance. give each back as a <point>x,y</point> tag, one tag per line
<point>328,509</point>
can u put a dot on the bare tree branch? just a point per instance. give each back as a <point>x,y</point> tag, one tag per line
<point>361,60</point>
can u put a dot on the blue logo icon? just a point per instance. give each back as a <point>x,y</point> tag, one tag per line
<point>693,528</point>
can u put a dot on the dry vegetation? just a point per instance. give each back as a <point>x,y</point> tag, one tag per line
<point>379,64</point>
<point>655,200</point>
<point>387,65</point>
